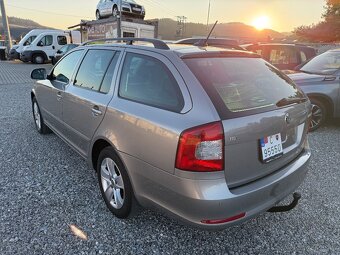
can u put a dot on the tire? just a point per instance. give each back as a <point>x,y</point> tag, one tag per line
<point>38,59</point>
<point>115,11</point>
<point>98,15</point>
<point>114,183</point>
<point>38,119</point>
<point>319,114</point>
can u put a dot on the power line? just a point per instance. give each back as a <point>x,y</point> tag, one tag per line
<point>156,5</point>
<point>163,6</point>
<point>48,12</point>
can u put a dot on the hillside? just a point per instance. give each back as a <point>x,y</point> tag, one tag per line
<point>168,28</point>
<point>20,27</point>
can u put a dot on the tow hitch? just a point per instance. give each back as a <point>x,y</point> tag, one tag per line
<point>286,208</point>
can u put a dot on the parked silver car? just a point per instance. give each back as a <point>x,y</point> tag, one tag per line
<point>319,79</point>
<point>211,136</point>
<point>110,8</point>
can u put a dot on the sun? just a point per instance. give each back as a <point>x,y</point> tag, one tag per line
<point>261,22</point>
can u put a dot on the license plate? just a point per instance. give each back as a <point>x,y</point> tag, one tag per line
<point>271,147</point>
<point>136,9</point>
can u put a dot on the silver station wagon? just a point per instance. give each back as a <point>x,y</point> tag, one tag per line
<point>210,136</point>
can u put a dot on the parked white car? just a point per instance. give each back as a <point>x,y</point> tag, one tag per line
<point>45,45</point>
<point>110,8</point>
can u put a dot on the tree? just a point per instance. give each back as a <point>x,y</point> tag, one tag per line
<point>328,30</point>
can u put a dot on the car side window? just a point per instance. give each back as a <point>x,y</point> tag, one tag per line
<point>106,84</point>
<point>47,40</point>
<point>93,68</point>
<point>303,56</point>
<point>62,40</point>
<point>281,56</point>
<point>147,80</point>
<point>63,71</point>
<point>30,40</point>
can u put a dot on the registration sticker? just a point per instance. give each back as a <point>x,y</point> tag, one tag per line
<point>271,147</point>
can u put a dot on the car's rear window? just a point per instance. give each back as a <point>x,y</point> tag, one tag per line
<point>243,86</point>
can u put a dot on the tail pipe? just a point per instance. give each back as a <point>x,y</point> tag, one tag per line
<point>286,208</point>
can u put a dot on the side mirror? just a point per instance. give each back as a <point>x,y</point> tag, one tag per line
<point>39,74</point>
<point>40,44</point>
<point>59,51</point>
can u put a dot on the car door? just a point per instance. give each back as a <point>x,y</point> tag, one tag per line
<point>47,44</point>
<point>50,92</point>
<point>108,7</point>
<point>86,99</point>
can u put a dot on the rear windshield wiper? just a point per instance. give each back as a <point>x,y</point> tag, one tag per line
<point>289,101</point>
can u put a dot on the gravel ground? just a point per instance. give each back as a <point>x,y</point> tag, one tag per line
<point>47,191</point>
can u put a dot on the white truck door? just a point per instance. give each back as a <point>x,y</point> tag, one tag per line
<point>47,44</point>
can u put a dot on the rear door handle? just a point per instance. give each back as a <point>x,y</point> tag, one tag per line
<point>96,112</point>
<point>59,96</point>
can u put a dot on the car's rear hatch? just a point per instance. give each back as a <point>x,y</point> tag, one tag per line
<point>243,149</point>
<point>261,109</point>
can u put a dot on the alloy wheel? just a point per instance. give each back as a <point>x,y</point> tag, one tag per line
<point>112,183</point>
<point>39,59</point>
<point>317,116</point>
<point>36,114</point>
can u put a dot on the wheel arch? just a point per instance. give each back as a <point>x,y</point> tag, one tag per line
<point>32,94</point>
<point>100,144</point>
<point>328,103</point>
<point>39,52</point>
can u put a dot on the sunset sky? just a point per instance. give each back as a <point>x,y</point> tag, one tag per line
<point>281,15</point>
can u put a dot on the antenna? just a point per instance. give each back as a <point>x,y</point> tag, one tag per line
<point>205,42</point>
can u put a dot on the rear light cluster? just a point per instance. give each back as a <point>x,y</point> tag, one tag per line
<point>201,149</point>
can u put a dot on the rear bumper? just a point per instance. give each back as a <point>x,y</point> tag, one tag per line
<point>211,199</point>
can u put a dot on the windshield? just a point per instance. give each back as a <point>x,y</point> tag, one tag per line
<point>30,40</point>
<point>64,49</point>
<point>326,63</point>
<point>243,86</point>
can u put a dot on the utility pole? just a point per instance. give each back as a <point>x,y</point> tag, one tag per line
<point>181,26</point>
<point>119,20</point>
<point>5,25</point>
<point>208,16</point>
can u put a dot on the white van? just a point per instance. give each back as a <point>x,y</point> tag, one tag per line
<point>45,45</point>
<point>14,53</point>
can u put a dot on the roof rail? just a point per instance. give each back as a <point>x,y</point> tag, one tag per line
<point>158,44</point>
